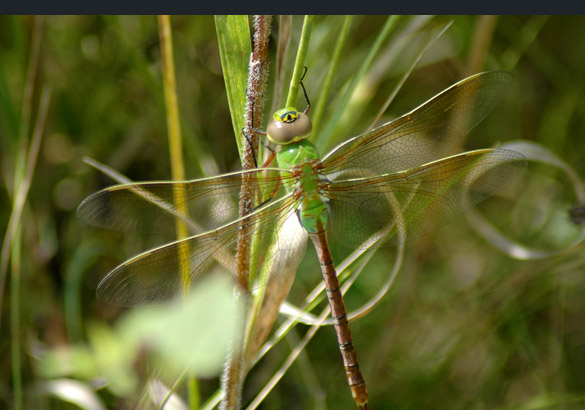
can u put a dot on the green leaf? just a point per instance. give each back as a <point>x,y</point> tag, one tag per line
<point>233,35</point>
<point>191,334</point>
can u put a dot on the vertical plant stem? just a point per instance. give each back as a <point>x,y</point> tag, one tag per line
<point>324,94</point>
<point>257,76</point>
<point>292,93</point>
<point>406,74</point>
<point>15,335</point>
<point>284,36</point>
<point>234,374</point>
<point>256,87</point>
<point>175,146</point>
<point>482,37</point>
<point>335,120</point>
<point>194,396</point>
<point>13,238</point>
<point>32,69</point>
<point>300,62</point>
<point>170,91</point>
<point>177,165</point>
<point>12,246</point>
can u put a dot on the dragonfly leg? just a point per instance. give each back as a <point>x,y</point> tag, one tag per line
<point>249,141</point>
<point>271,196</point>
<point>269,159</point>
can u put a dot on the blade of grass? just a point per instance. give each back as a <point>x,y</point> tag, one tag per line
<point>78,264</point>
<point>233,36</point>
<point>325,136</point>
<point>19,197</point>
<point>324,94</point>
<point>177,164</point>
<point>482,38</point>
<point>234,46</point>
<point>13,246</point>
<point>289,361</point>
<point>174,136</point>
<point>407,74</point>
<point>170,93</point>
<point>24,170</point>
<point>15,336</point>
<point>538,153</point>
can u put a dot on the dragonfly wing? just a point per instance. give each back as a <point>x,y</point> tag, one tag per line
<point>153,207</point>
<point>425,134</point>
<point>155,275</point>
<point>404,205</point>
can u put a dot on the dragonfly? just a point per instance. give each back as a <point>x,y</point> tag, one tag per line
<point>388,185</point>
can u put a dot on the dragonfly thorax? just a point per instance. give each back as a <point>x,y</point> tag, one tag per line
<point>297,153</point>
<point>289,125</point>
<point>304,161</point>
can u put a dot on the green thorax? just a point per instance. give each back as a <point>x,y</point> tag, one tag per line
<point>301,158</point>
<point>296,153</point>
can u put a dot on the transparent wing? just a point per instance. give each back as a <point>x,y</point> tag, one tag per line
<point>153,207</point>
<point>404,205</point>
<point>155,275</point>
<point>423,135</point>
<point>208,206</point>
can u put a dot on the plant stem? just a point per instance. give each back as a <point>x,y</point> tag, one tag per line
<point>27,101</point>
<point>13,238</point>
<point>177,164</point>
<point>324,94</point>
<point>335,120</point>
<point>234,373</point>
<point>299,62</point>
<point>174,136</point>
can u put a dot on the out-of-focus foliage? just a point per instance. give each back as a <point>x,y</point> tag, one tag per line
<point>464,327</point>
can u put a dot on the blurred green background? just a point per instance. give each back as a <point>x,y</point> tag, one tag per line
<point>465,326</point>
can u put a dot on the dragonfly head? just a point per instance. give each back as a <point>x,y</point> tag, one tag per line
<point>289,125</point>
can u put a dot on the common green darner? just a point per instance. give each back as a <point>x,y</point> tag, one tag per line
<point>389,184</point>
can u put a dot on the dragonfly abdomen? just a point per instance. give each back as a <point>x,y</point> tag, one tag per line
<point>353,373</point>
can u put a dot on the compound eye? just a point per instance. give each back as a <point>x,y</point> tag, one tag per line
<point>288,125</point>
<point>289,116</point>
